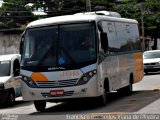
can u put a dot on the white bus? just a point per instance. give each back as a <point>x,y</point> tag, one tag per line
<point>85,55</point>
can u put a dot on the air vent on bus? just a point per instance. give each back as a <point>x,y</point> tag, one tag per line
<point>107,13</point>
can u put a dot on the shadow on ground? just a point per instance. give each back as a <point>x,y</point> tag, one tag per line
<point>116,103</point>
<point>17,104</point>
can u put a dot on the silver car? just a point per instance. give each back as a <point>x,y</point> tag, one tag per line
<point>151,61</point>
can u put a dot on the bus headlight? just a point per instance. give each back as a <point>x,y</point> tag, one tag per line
<point>86,77</point>
<point>29,81</point>
<point>1,86</point>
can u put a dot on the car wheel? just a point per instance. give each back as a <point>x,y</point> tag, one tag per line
<point>146,72</point>
<point>11,99</point>
<point>40,105</point>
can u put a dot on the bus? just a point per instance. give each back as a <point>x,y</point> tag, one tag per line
<point>84,55</point>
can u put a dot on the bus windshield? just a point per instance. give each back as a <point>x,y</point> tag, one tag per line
<point>59,45</point>
<point>5,68</point>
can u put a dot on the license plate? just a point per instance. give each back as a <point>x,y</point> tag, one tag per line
<point>56,92</point>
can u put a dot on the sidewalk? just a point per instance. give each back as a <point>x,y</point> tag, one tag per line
<point>153,108</point>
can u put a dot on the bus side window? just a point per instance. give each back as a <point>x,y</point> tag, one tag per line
<point>16,68</point>
<point>104,38</point>
<point>104,41</point>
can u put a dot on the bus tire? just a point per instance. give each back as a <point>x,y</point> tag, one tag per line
<point>11,98</point>
<point>40,105</point>
<point>129,89</point>
<point>103,97</point>
<point>102,100</point>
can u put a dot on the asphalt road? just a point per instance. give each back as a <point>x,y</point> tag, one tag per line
<point>145,93</point>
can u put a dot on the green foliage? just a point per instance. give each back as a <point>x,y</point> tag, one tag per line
<point>14,13</point>
<point>103,4</point>
<point>150,11</point>
<point>3,25</point>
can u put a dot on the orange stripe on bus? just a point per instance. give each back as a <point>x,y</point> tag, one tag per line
<point>137,66</point>
<point>38,77</point>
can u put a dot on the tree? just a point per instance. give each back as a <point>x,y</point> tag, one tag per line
<point>152,19</point>
<point>58,7</point>
<point>151,15</point>
<point>14,14</point>
<point>103,4</point>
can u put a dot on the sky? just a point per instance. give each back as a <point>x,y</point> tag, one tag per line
<point>1,3</point>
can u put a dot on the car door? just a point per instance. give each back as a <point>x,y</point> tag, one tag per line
<point>17,77</point>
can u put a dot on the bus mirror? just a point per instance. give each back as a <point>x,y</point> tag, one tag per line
<point>104,41</point>
<point>21,46</point>
<point>16,68</point>
<point>16,72</point>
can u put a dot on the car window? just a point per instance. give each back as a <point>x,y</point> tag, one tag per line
<point>4,68</point>
<point>151,55</point>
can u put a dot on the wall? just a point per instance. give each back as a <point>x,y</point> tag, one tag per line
<point>158,44</point>
<point>9,43</point>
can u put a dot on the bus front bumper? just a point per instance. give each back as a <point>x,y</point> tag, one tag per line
<point>82,91</point>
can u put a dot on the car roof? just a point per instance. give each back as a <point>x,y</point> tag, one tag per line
<point>9,57</point>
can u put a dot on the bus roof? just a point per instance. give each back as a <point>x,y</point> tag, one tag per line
<point>77,18</point>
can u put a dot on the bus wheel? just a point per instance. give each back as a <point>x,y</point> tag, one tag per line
<point>129,89</point>
<point>11,99</point>
<point>40,105</point>
<point>102,100</point>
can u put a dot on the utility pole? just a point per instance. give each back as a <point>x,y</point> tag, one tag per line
<point>142,23</point>
<point>88,6</point>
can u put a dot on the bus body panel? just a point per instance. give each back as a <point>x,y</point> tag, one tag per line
<point>138,67</point>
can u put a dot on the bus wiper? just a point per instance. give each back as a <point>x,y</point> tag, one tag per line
<point>68,55</point>
<point>44,56</point>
